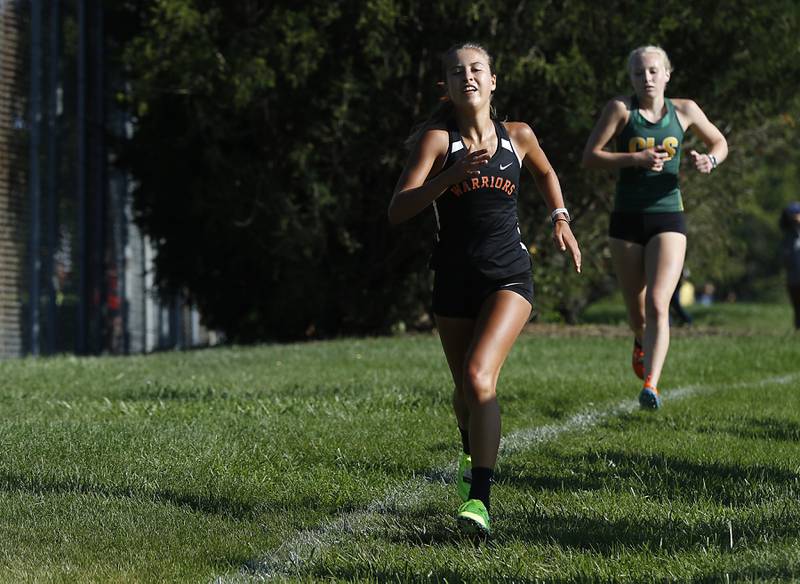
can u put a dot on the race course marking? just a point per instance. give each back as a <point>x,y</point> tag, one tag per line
<point>299,552</point>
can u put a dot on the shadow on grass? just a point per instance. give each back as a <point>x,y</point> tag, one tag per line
<point>666,479</point>
<point>756,574</point>
<point>432,527</point>
<point>229,507</point>
<point>370,574</point>
<point>653,477</point>
<point>766,428</point>
<point>659,477</point>
<point>199,393</point>
<point>593,532</point>
<point>585,533</point>
<point>602,535</point>
<point>673,533</point>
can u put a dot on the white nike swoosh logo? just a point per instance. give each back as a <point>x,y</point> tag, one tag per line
<point>506,166</point>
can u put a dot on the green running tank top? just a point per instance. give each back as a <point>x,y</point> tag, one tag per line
<point>640,190</point>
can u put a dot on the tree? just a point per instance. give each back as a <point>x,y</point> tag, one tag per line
<point>269,138</point>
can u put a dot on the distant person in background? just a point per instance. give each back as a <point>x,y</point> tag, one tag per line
<point>648,229</point>
<point>681,317</point>
<point>707,294</point>
<point>466,165</point>
<point>790,225</point>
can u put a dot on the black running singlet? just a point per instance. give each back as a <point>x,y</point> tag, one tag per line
<point>477,219</point>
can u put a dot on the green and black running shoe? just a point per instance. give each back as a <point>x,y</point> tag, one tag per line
<point>473,518</point>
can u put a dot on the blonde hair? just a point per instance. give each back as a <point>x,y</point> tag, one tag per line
<point>639,51</point>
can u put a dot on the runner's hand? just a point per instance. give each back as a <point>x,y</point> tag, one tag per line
<point>653,158</point>
<point>565,240</point>
<point>470,165</point>
<point>702,162</point>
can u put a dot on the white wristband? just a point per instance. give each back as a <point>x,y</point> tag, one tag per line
<point>557,212</point>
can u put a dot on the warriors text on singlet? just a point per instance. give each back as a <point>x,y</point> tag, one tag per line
<point>640,190</point>
<point>477,219</point>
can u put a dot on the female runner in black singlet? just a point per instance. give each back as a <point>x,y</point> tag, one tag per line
<point>466,165</point>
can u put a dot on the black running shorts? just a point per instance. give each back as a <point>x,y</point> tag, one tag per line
<point>641,227</point>
<point>461,293</point>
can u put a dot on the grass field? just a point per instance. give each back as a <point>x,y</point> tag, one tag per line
<point>333,460</point>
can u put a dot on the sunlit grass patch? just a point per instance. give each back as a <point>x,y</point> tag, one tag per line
<point>332,460</point>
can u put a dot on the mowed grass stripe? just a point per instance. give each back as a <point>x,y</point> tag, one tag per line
<point>296,556</point>
<point>654,498</point>
<point>638,497</point>
<point>182,466</point>
<point>521,440</point>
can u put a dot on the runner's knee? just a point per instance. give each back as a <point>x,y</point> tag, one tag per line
<point>657,306</point>
<point>479,383</point>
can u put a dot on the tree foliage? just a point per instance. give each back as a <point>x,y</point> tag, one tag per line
<point>269,138</point>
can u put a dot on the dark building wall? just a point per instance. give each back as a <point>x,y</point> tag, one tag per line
<point>13,162</point>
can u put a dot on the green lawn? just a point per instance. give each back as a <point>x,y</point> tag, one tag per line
<point>736,318</point>
<point>332,460</point>
<point>761,318</point>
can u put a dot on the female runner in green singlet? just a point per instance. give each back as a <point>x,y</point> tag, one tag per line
<point>647,229</point>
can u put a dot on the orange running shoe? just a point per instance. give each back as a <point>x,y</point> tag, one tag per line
<point>637,360</point>
<point>649,398</point>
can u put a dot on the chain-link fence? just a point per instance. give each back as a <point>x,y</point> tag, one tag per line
<point>76,274</point>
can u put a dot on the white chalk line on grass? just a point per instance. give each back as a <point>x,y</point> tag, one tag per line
<point>299,552</point>
<point>524,439</point>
